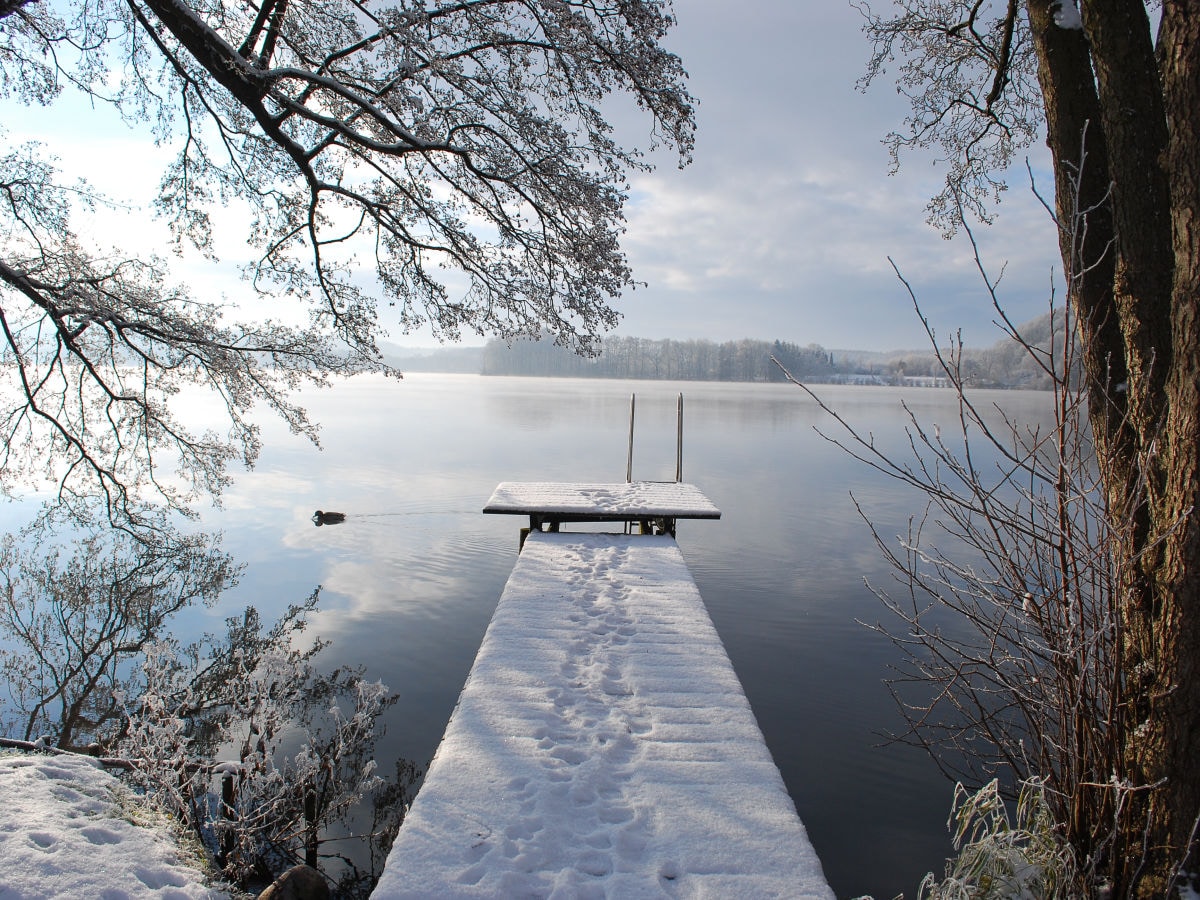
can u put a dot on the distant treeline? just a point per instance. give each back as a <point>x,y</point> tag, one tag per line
<point>631,357</point>
<point>1004,365</point>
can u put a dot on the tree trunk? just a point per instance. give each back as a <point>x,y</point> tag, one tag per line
<point>1171,750</point>
<point>1118,121</point>
<point>1135,134</point>
<point>1075,136</point>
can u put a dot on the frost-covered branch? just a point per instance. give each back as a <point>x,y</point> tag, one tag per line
<point>370,152</point>
<point>969,73</point>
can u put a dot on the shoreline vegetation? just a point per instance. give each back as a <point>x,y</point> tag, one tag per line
<point>1003,365</point>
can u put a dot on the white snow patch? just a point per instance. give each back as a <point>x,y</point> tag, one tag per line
<point>1066,15</point>
<point>602,747</point>
<point>64,832</point>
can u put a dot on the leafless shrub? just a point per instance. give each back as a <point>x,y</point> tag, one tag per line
<point>265,757</point>
<point>1007,611</point>
<point>75,616</point>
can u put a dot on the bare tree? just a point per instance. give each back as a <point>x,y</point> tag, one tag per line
<point>264,756</point>
<point>405,139</point>
<point>88,663</point>
<point>1007,605</point>
<point>75,621</point>
<point>1009,611</point>
<point>1120,107</point>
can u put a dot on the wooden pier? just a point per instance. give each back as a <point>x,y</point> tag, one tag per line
<point>602,745</point>
<point>651,506</point>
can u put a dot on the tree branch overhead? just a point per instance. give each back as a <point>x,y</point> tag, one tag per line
<point>400,142</point>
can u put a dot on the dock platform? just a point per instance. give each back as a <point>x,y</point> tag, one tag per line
<point>602,745</point>
<point>653,505</point>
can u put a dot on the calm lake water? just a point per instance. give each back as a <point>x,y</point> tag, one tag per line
<point>411,578</point>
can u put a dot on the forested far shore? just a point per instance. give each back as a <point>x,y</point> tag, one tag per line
<point>1003,365</point>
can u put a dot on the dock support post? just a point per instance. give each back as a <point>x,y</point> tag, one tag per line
<point>629,458</point>
<point>679,442</point>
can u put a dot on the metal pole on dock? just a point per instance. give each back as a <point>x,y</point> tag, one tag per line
<point>679,441</point>
<point>629,459</point>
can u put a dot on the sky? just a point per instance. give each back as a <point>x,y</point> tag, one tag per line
<point>781,228</point>
<point>783,225</point>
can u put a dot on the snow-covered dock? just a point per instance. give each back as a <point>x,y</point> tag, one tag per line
<point>602,747</point>
<point>654,505</point>
<point>602,502</point>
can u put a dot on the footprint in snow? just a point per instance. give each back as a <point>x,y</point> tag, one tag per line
<point>98,835</point>
<point>158,878</point>
<point>44,840</point>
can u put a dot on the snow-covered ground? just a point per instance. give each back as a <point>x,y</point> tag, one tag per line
<point>602,747</point>
<point>68,829</point>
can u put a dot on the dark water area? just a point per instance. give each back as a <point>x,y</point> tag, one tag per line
<point>411,577</point>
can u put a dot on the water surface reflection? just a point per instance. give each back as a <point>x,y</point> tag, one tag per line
<point>411,578</point>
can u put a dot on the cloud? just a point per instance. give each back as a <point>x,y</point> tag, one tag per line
<point>784,224</point>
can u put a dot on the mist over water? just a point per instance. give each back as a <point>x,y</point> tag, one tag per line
<point>410,579</point>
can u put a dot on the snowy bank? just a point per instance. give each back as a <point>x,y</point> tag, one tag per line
<point>68,829</point>
<point>602,747</point>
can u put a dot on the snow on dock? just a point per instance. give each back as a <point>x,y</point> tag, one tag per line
<point>602,747</point>
<point>632,500</point>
